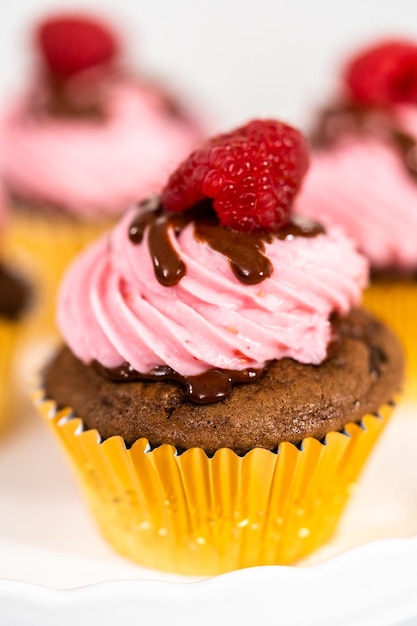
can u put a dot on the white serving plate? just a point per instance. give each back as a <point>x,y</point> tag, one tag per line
<point>56,569</point>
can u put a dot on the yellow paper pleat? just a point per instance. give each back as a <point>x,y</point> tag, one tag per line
<point>42,249</point>
<point>395,302</point>
<point>196,478</point>
<point>256,477</point>
<point>193,514</point>
<point>9,333</point>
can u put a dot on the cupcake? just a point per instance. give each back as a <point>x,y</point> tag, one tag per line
<point>219,390</point>
<point>364,176</point>
<point>13,303</point>
<point>85,139</point>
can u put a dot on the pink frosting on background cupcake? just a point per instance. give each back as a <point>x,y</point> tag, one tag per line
<point>362,184</point>
<point>363,174</point>
<point>95,167</point>
<point>88,135</point>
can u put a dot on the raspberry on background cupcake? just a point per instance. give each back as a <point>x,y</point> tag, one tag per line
<point>218,391</point>
<point>84,139</point>
<point>363,176</point>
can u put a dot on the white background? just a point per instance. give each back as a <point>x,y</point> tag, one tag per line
<point>238,58</point>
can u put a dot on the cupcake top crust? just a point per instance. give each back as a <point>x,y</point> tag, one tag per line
<point>289,402</point>
<point>87,136</point>
<point>216,276</point>
<point>363,173</point>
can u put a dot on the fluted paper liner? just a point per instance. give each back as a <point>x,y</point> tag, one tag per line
<point>192,514</point>
<point>9,331</point>
<point>42,249</point>
<point>394,301</point>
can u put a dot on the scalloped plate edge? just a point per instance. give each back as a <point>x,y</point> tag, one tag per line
<point>374,584</point>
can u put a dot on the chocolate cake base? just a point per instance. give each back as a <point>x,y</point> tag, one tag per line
<point>14,295</point>
<point>289,402</point>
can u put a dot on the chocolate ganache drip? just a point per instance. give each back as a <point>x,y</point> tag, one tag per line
<point>54,98</point>
<point>211,386</point>
<point>344,119</point>
<point>245,251</point>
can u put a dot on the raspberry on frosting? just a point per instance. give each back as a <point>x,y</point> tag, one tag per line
<point>384,74</point>
<point>86,134</point>
<point>252,174</point>
<point>166,290</point>
<point>73,43</point>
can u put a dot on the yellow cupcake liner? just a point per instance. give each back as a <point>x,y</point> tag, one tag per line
<point>9,333</point>
<point>198,515</point>
<point>42,249</point>
<point>394,301</point>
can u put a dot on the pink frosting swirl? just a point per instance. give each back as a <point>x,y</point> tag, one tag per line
<point>94,167</point>
<point>362,183</point>
<point>112,309</point>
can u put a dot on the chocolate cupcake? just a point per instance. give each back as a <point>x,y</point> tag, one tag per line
<point>364,176</point>
<point>219,390</point>
<point>85,139</point>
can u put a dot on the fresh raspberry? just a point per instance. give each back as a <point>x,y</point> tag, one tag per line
<point>384,75</point>
<point>252,175</point>
<point>72,43</point>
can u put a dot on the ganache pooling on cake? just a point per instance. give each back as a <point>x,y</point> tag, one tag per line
<point>208,283</point>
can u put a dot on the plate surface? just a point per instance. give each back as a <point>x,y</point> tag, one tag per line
<point>55,567</point>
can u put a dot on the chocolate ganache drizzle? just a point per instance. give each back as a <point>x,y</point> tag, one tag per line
<point>346,118</point>
<point>210,386</point>
<point>245,252</point>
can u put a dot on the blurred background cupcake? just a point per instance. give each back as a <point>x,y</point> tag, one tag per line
<point>85,138</point>
<point>219,392</point>
<point>14,301</point>
<point>364,176</point>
